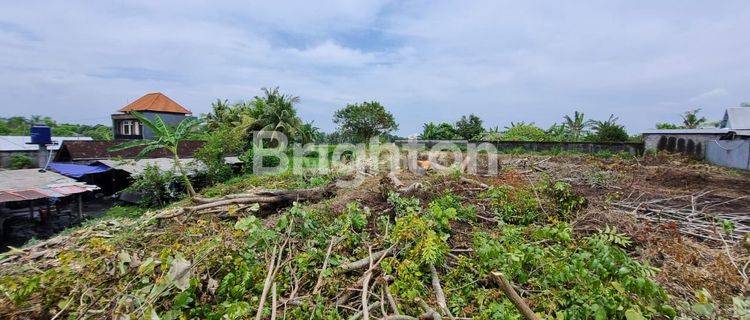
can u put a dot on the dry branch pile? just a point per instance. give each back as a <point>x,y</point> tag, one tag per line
<point>430,246</point>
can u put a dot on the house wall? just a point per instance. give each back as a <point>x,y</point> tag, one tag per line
<point>692,144</point>
<point>171,119</point>
<point>729,153</point>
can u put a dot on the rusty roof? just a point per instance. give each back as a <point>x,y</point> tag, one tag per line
<point>155,101</point>
<point>98,150</point>
<point>32,184</point>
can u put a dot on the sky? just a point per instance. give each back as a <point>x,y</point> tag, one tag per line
<point>506,61</point>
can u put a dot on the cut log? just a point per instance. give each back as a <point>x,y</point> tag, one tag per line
<point>517,301</point>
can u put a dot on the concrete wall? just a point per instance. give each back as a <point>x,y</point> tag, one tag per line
<point>691,144</point>
<point>585,147</point>
<point>6,155</point>
<point>729,153</point>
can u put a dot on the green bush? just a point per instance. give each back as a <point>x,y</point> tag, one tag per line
<point>20,161</point>
<point>155,187</point>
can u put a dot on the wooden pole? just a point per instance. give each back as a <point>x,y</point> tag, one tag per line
<point>513,296</point>
<point>80,206</point>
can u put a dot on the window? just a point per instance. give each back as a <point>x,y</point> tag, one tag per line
<point>129,127</point>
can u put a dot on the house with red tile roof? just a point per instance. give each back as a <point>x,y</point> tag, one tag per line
<point>125,126</point>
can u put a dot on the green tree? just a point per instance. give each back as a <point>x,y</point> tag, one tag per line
<point>364,120</point>
<point>469,127</point>
<point>690,119</point>
<point>441,131</point>
<point>575,126</point>
<point>668,126</point>
<point>167,138</point>
<point>608,130</point>
<point>310,133</point>
<point>275,111</point>
<point>522,131</point>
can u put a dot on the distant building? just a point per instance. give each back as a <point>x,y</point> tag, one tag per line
<point>18,145</point>
<point>728,145</point>
<point>126,126</point>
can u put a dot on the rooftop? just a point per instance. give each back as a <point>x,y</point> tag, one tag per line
<point>19,143</point>
<point>98,150</point>
<point>155,101</point>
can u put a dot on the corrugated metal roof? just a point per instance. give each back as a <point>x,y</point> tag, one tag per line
<point>30,184</point>
<point>135,167</point>
<point>99,149</point>
<point>18,143</point>
<point>688,131</point>
<point>737,118</point>
<point>155,101</point>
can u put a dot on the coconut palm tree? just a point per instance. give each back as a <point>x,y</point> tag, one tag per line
<point>275,112</point>
<point>575,125</point>
<point>166,137</point>
<point>690,119</point>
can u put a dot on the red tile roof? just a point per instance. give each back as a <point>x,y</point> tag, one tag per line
<point>72,150</point>
<point>155,101</point>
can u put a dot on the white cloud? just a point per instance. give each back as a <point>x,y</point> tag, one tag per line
<point>426,61</point>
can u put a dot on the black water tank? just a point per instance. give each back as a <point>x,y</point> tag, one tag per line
<point>41,134</point>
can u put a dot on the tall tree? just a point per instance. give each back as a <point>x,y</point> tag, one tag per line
<point>167,138</point>
<point>575,125</point>
<point>608,130</point>
<point>469,127</point>
<point>275,112</point>
<point>365,120</point>
<point>691,120</point>
<point>441,131</point>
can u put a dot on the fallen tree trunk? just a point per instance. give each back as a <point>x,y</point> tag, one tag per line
<point>265,197</point>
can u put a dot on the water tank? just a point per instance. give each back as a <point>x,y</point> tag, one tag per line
<point>41,134</point>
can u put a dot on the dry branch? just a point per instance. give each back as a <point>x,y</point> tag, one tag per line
<point>513,296</point>
<point>439,294</point>
<point>364,262</point>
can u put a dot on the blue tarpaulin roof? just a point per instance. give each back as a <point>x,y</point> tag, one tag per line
<point>77,170</point>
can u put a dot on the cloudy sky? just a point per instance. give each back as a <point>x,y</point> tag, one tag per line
<point>645,61</point>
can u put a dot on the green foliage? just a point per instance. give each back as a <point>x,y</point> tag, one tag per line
<point>364,120</point>
<point>608,131</point>
<point>469,127</point>
<point>566,201</point>
<point>690,119</point>
<point>575,126</point>
<point>20,126</point>
<point>667,126</point>
<point>155,187</point>
<point>442,131</point>
<point>20,161</point>
<point>220,143</point>
<point>611,236</point>
<point>166,137</point>
<point>513,205</point>
<point>575,279</point>
<point>524,132</point>
<point>275,111</point>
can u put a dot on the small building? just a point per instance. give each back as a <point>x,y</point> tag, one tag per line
<point>125,126</point>
<point>19,145</point>
<point>728,145</point>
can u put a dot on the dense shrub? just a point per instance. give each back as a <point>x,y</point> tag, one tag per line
<point>19,161</point>
<point>155,187</point>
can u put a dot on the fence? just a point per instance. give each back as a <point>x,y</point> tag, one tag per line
<point>633,148</point>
